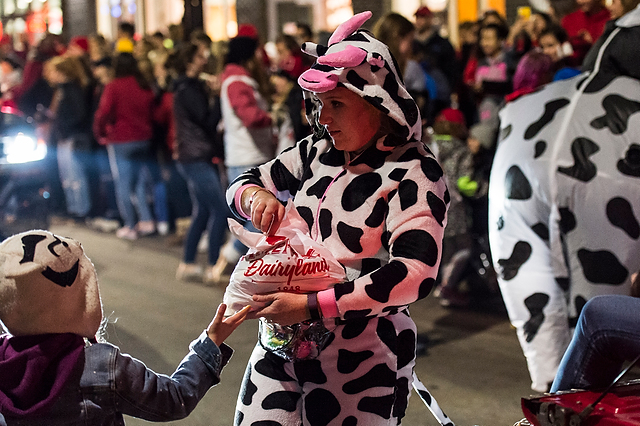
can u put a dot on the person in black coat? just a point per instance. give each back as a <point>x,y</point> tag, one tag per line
<point>198,152</point>
<point>71,128</point>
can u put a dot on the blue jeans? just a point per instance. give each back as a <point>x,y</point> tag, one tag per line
<point>154,182</point>
<point>73,177</point>
<point>126,160</point>
<point>209,209</point>
<point>232,173</point>
<point>607,335</point>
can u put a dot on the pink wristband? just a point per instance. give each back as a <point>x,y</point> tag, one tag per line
<point>327,303</point>
<point>238,199</point>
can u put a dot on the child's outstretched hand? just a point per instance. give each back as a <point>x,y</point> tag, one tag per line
<point>221,327</point>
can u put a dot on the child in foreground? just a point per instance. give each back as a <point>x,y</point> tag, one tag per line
<point>54,371</point>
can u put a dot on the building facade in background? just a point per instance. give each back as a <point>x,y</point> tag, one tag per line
<point>32,18</point>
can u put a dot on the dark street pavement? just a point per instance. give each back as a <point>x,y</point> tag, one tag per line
<point>472,364</point>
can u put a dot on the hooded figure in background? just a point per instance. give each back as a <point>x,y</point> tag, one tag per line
<point>564,197</point>
<point>375,196</point>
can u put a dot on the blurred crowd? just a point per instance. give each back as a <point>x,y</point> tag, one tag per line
<point>150,129</point>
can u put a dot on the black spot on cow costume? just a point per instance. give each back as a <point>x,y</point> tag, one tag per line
<point>382,215</point>
<point>564,197</point>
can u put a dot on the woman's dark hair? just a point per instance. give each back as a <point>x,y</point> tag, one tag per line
<point>391,29</point>
<point>126,65</point>
<point>557,31</point>
<point>290,43</point>
<point>184,57</point>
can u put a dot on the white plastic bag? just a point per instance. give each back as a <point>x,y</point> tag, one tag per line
<point>288,261</point>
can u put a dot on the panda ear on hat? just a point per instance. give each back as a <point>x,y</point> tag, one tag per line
<point>47,285</point>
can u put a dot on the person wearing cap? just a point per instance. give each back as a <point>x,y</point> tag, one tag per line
<point>248,135</point>
<point>375,196</point>
<point>56,367</point>
<point>433,50</point>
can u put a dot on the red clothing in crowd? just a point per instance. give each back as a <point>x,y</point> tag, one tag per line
<point>243,100</point>
<point>293,65</point>
<point>125,112</point>
<point>577,23</point>
<point>32,72</point>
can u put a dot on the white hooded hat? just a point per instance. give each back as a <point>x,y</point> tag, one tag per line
<point>47,285</point>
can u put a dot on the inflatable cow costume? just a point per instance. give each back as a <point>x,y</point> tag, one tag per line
<point>565,197</point>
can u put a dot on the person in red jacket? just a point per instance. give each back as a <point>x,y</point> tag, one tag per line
<point>585,25</point>
<point>123,122</point>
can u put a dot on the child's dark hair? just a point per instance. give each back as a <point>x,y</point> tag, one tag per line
<point>501,31</point>
<point>127,28</point>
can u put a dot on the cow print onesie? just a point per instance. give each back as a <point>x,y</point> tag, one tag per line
<point>382,214</point>
<point>564,198</point>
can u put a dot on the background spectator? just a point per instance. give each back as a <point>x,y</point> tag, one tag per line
<point>585,25</point>
<point>123,122</point>
<point>196,147</point>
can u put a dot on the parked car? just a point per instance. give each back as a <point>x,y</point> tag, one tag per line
<point>24,174</point>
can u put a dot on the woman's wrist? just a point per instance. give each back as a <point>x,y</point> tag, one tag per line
<point>247,198</point>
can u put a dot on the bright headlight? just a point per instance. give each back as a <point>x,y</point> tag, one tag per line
<point>22,148</point>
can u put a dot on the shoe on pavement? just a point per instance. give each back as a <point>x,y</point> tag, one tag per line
<point>126,233</point>
<point>219,270</point>
<point>103,224</point>
<point>212,277</point>
<point>189,272</point>
<point>146,228</point>
<point>163,228</point>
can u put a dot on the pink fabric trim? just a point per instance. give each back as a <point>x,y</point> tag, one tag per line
<point>318,81</point>
<point>349,57</point>
<point>327,302</point>
<point>238,199</point>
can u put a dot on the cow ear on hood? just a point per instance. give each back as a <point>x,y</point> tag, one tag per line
<point>348,27</point>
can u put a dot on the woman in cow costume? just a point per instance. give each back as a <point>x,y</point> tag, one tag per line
<point>374,195</point>
<point>564,196</point>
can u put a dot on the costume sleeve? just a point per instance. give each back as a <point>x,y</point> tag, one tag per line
<point>156,397</point>
<point>245,105</point>
<point>281,175</point>
<point>415,227</point>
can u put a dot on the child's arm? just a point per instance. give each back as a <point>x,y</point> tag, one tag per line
<point>147,395</point>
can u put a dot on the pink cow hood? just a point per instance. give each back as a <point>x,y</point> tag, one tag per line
<point>354,59</point>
